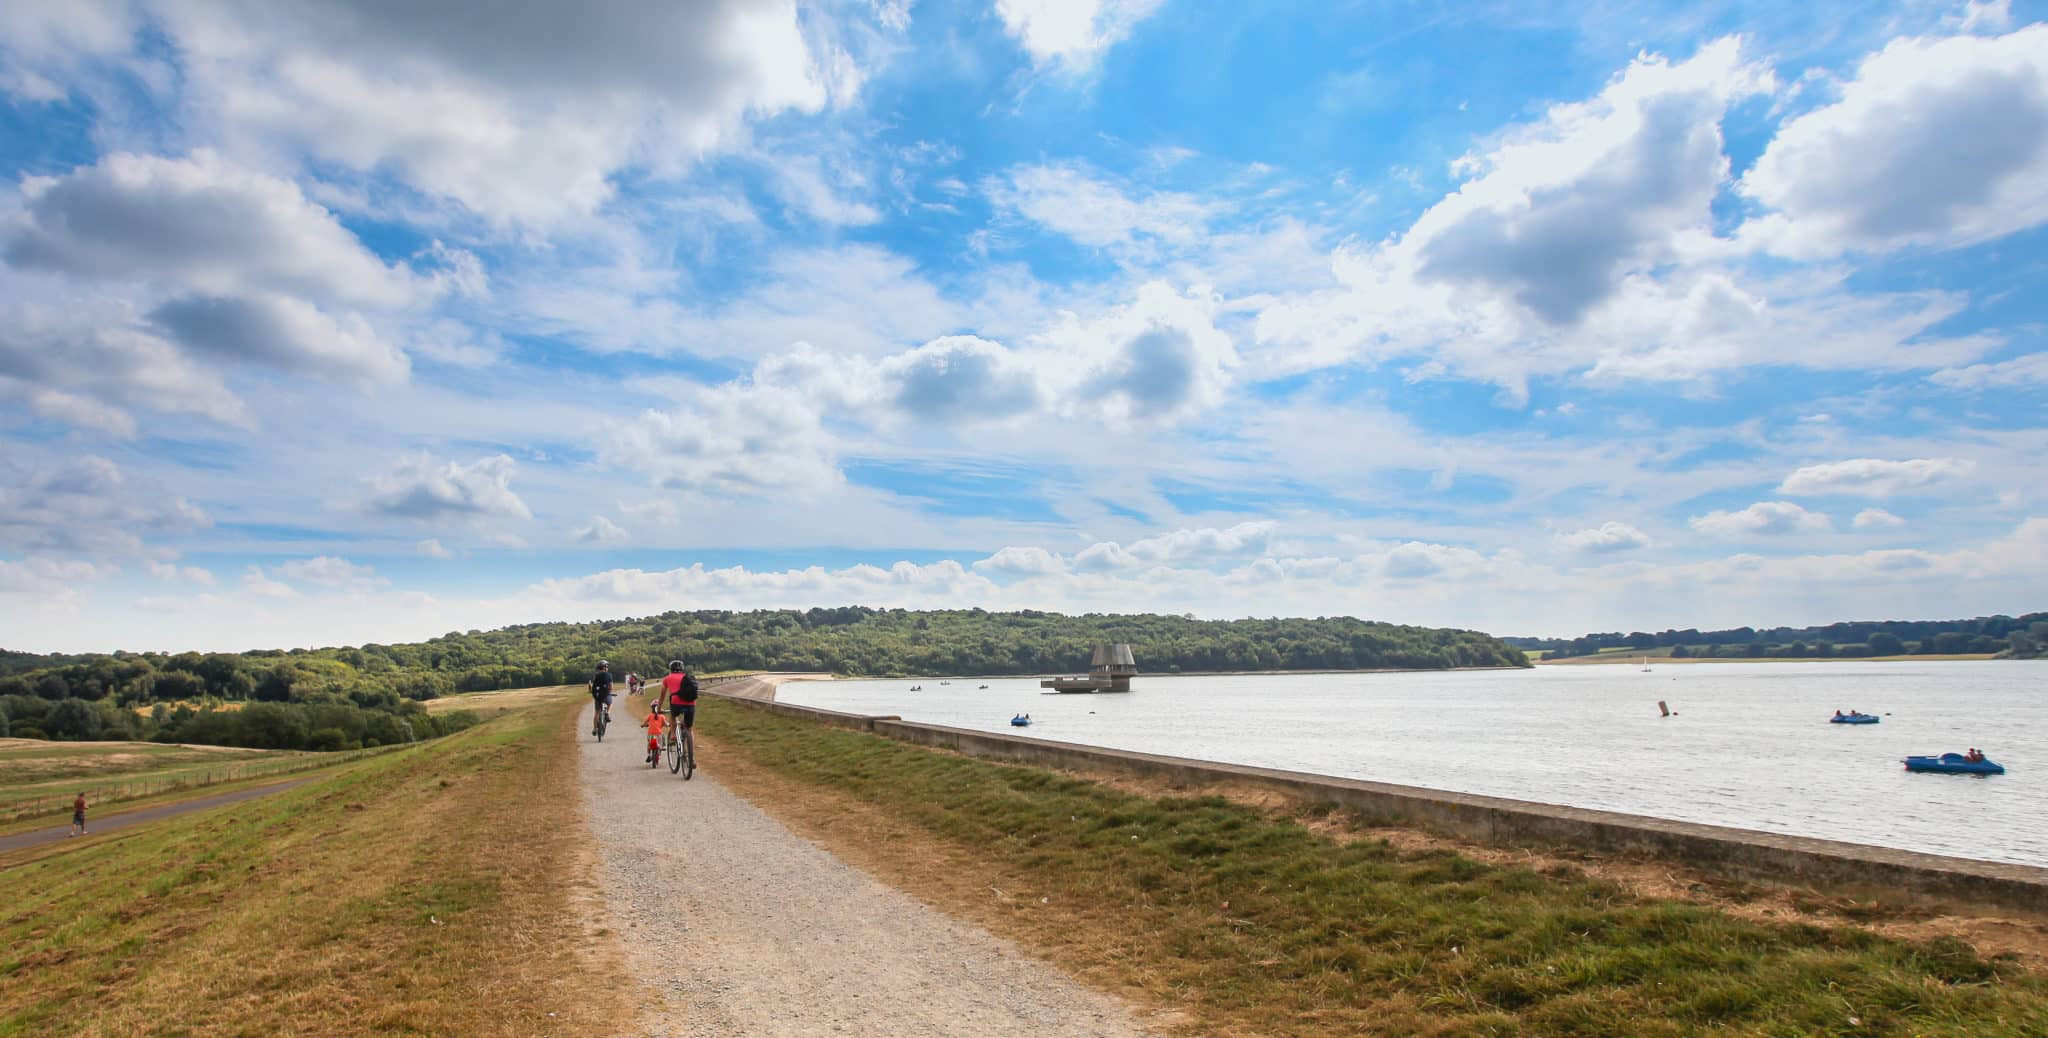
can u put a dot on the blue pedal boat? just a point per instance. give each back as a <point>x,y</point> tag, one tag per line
<point>1954,764</point>
<point>1854,718</point>
<point>1021,721</point>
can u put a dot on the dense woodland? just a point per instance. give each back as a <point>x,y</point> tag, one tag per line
<point>313,690</point>
<point>2020,636</point>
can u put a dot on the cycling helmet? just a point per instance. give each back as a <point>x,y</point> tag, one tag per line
<point>602,664</point>
<point>675,665</point>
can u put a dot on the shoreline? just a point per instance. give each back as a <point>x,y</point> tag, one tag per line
<point>1607,659</point>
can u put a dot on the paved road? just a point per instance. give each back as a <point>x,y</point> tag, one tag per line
<point>95,824</point>
<point>779,939</point>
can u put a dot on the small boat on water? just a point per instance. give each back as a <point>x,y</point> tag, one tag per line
<point>1955,764</point>
<point>981,686</point>
<point>1852,717</point>
<point>917,688</point>
<point>1021,721</point>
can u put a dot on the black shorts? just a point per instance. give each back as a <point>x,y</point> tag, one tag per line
<point>687,713</point>
<point>77,818</point>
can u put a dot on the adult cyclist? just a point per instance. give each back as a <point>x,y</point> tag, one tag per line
<point>679,690</point>
<point>601,694</point>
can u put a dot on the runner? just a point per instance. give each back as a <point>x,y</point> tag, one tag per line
<point>78,815</point>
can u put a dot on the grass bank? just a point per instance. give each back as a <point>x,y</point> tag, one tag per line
<point>38,779</point>
<point>432,890</point>
<point>1253,923</point>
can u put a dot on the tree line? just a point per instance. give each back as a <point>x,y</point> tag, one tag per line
<point>387,681</point>
<point>2019,636</point>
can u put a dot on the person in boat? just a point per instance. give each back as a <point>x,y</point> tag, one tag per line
<point>1838,713</point>
<point>1975,756</point>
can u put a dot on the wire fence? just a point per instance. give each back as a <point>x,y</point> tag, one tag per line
<point>58,801</point>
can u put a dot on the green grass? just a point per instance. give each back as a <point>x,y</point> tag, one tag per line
<point>1256,923</point>
<point>420,891</point>
<point>39,779</point>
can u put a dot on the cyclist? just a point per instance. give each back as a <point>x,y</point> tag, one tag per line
<point>601,694</point>
<point>654,724</point>
<point>680,691</point>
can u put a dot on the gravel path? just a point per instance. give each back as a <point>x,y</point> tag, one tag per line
<point>780,939</point>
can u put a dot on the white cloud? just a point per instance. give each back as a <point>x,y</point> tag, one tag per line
<point>197,224</point>
<point>603,531</point>
<point>433,549</point>
<point>1876,519</point>
<point>259,585</point>
<point>44,582</point>
<point>1023,562</point>
<point>730,439</point>
<point>328,571</point>
<point>281,332</point>
<point>1072,34</point>
<point>1159,359</point>
<point>2029,370</point>
<point>89,362</point>
<point>959,378</point>
<point>521,119</point>
<point>425,488</point>
<point>1204,544</point>
<point>1070,199</point>
<point>1585,244</point>
<point>1765,519</point>
<point>1873,477</point>
<point>87,505</point>
<point>1935,142</point>
<point>1607,538</point>
<point>186,574</point>
<point>1564,209</point>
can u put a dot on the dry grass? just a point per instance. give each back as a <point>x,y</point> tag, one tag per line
<point>38,778</point>
<point>437,890</point>
<point>502,701</point>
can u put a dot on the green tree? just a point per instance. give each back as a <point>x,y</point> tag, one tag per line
<point>1885,643</point>
<point>72,719</point>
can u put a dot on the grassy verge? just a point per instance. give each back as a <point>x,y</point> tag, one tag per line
<point>431,890</point>
<point>1256,924</point>
<point>37,784</point>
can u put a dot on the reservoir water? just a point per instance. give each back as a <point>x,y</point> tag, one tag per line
<point>1749,745</point>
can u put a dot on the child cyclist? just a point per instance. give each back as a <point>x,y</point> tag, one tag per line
<point>654,724</point>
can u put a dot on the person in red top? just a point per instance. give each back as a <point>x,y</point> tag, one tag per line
<point>78,815</point>
<point>679,690</point>
<point>654,725</point>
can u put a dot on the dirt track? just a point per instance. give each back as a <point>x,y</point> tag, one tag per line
<point>779,939</point>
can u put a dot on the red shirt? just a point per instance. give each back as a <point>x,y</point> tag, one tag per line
<point>679,686</point>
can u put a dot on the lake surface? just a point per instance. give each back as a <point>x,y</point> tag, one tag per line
<point>1749,746</point>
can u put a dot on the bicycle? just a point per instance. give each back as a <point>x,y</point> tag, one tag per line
<point>603,720</point>
<point>681,751</point>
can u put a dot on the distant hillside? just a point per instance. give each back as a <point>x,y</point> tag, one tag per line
<point>851,640</point>
<point>2016,636</point>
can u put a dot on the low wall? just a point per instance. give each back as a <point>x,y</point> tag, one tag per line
<point>1847,868</point>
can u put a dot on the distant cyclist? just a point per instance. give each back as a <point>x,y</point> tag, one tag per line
<point>680,690</point>
<point>601,694</point>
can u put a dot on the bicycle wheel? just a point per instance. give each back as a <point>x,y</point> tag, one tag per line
<point>689,755</point>
<point>602,722</point>
<point>675,754</point>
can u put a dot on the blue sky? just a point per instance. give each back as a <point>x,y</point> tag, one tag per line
<point>327,321</point>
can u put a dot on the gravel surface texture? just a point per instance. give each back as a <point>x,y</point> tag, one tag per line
<point>744,928</point>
